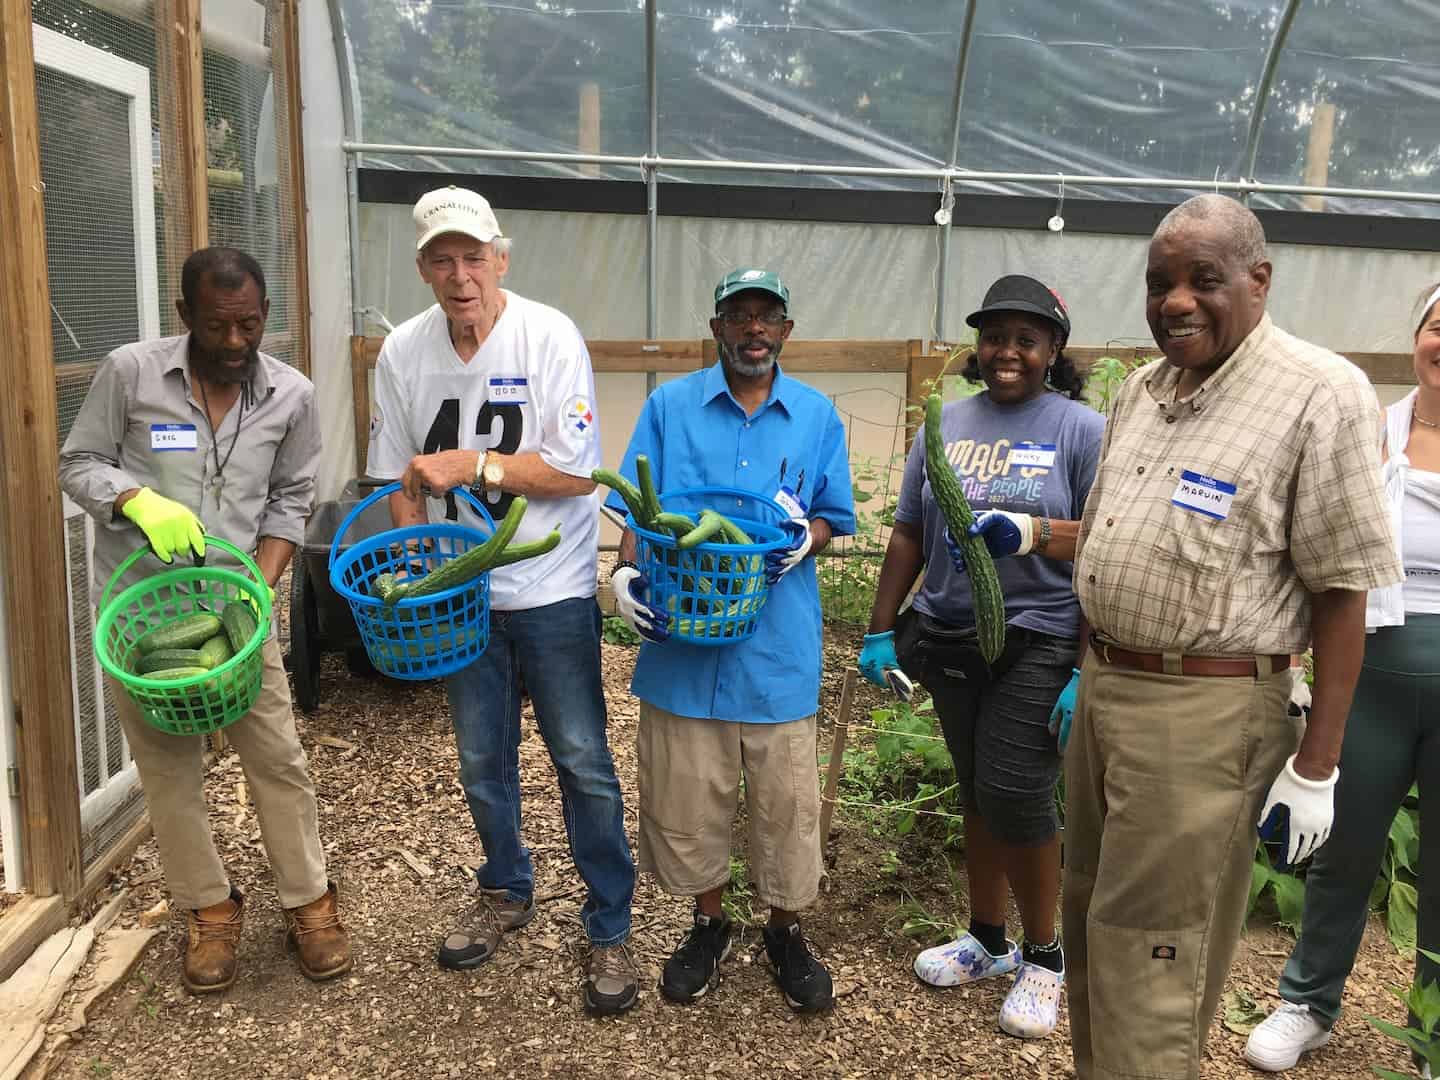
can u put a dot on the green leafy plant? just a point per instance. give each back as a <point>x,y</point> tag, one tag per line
<point>739,899</point>
<point>616,631</point>
<point>1421,1037</point>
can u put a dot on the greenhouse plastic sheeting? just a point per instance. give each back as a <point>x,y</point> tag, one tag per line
<point>878,281</point>
<point>1162,89</point>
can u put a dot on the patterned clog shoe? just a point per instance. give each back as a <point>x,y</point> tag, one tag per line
<point>963,961</point>
<point>1032,1008</point>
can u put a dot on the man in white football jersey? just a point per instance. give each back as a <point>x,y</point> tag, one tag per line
<point>493,392</point>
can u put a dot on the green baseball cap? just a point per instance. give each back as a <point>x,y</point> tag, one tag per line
<point>738,281</point>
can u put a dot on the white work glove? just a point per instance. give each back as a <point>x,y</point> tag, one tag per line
<point>647,620</point>
<point>781,562</point>
<point>1298,813</point>
<point>1299,691</point>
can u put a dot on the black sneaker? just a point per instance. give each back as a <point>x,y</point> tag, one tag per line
<point>799,972</point>
<point>694,966</point>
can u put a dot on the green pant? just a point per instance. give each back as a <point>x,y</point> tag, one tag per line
<point>1392,740</point>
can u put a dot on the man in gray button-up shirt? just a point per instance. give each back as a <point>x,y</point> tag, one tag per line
<point>207,427</point>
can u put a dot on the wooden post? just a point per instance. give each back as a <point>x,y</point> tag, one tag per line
<point>587,136</point>
<point>837,754</point>
<point>184,183</point>
<point>288,113</point>
<point>33,522</point>
<point>1317,152</point>
<point>921,372</point>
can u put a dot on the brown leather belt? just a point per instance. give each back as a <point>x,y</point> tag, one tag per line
<point>1219,666</point>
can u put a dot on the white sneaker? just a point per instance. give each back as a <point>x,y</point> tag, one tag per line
<point>1288,1032</point>
<point>964,960</point>
<point>1032,1008</point>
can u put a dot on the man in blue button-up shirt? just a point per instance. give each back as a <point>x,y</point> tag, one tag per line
<point>707,714</point>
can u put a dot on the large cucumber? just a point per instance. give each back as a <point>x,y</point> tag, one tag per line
<point>186,632</point>
<point>174,673</point>
<point>988,600</point>
<point>216,651</point>
<point>240,624</point>
<point>471,564</point>
<point>533,550</point>
<point>711,525</point>
<point>161,659</point>
<point>649,497</point>
<point>627,491</point>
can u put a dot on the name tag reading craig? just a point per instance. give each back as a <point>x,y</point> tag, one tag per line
<point>1203,494</point>
<point>1032,455</point>
<point>508,390</point>
<point>173,437</point>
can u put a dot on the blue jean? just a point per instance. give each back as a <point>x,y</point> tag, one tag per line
<point>555,649</point>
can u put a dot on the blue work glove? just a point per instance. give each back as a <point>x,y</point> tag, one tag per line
<point>877,656</point>
<point>1064,711</point>
<point>645,619</point>
<point>781,561</point>
<point>1298,813</point>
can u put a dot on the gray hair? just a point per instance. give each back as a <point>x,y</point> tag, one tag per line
<point>501,245</point>
<point>1242,228</point>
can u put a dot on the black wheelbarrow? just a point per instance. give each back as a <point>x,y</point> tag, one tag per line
<point>320,620</point>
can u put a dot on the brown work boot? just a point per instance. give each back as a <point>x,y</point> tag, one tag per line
<point>213,934</point>
<point>319,938</point>
<point>477,933</point>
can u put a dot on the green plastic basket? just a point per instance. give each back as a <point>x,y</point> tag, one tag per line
<point>201,703</point>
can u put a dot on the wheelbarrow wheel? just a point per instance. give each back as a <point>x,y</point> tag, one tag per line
<point>304,639</point>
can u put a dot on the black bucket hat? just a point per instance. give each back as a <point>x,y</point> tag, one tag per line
<point>1016,292</point>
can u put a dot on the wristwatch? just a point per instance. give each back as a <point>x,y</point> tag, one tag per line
<point>489,473</point>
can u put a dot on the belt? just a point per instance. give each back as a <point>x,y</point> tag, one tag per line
<point>1216,666</point>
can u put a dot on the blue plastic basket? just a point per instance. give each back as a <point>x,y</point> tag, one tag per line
<point>426,637</point>
<point>714,593</point>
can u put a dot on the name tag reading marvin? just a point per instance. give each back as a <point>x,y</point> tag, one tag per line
<point>1033,455</point>
<point>1203,494</point>
<point>508,390</point>
<point>173,437</point>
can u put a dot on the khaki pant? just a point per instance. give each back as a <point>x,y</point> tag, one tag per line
<point>171,771</point>
<point>690,788</point>
<point>1165,776</point>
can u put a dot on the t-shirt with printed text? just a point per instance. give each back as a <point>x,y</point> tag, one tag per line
<point>529,389</point>
<point>1037,458</point>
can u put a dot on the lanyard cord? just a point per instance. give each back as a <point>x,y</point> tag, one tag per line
<point>214,438</point>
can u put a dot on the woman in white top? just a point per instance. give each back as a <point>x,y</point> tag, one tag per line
<point>1392,739</point>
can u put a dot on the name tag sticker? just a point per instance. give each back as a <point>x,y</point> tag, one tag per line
<point>508,390</point>
<point>1203,494</point>
<point>790,502</point>
<point>1033,455</point>
<point>173,437</point>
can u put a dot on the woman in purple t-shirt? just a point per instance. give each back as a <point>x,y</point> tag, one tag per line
<point>1025,451</point>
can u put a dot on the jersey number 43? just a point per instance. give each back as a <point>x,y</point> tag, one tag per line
<point>444,434</point>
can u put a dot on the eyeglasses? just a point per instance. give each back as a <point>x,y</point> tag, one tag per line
<point>738,319</point>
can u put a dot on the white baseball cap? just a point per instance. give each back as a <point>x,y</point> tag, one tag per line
<point>454,210</point>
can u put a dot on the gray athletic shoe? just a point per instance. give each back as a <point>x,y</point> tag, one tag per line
<point>477,936</point>
<point>611,983</point>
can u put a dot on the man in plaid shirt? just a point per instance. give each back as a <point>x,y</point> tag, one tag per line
<point>1237,517</point>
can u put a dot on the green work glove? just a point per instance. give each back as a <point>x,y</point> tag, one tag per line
<point>170,527</point>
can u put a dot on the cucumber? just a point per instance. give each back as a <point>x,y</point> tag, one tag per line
<point>988,601</point>
<point>383,586</point>
<point>710,526</point>
<point>471,564</point>
<point>239,622</point>
<point>171,674</point>
<point>533,550</point>
<point>675,524</point>
<point>627,491</point>
<point>161,659</point>
<point>649,497</point>
<point>186,632</point>
<point>216,651</point>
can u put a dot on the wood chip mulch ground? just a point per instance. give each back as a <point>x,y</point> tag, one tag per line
<point>400,842</point>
